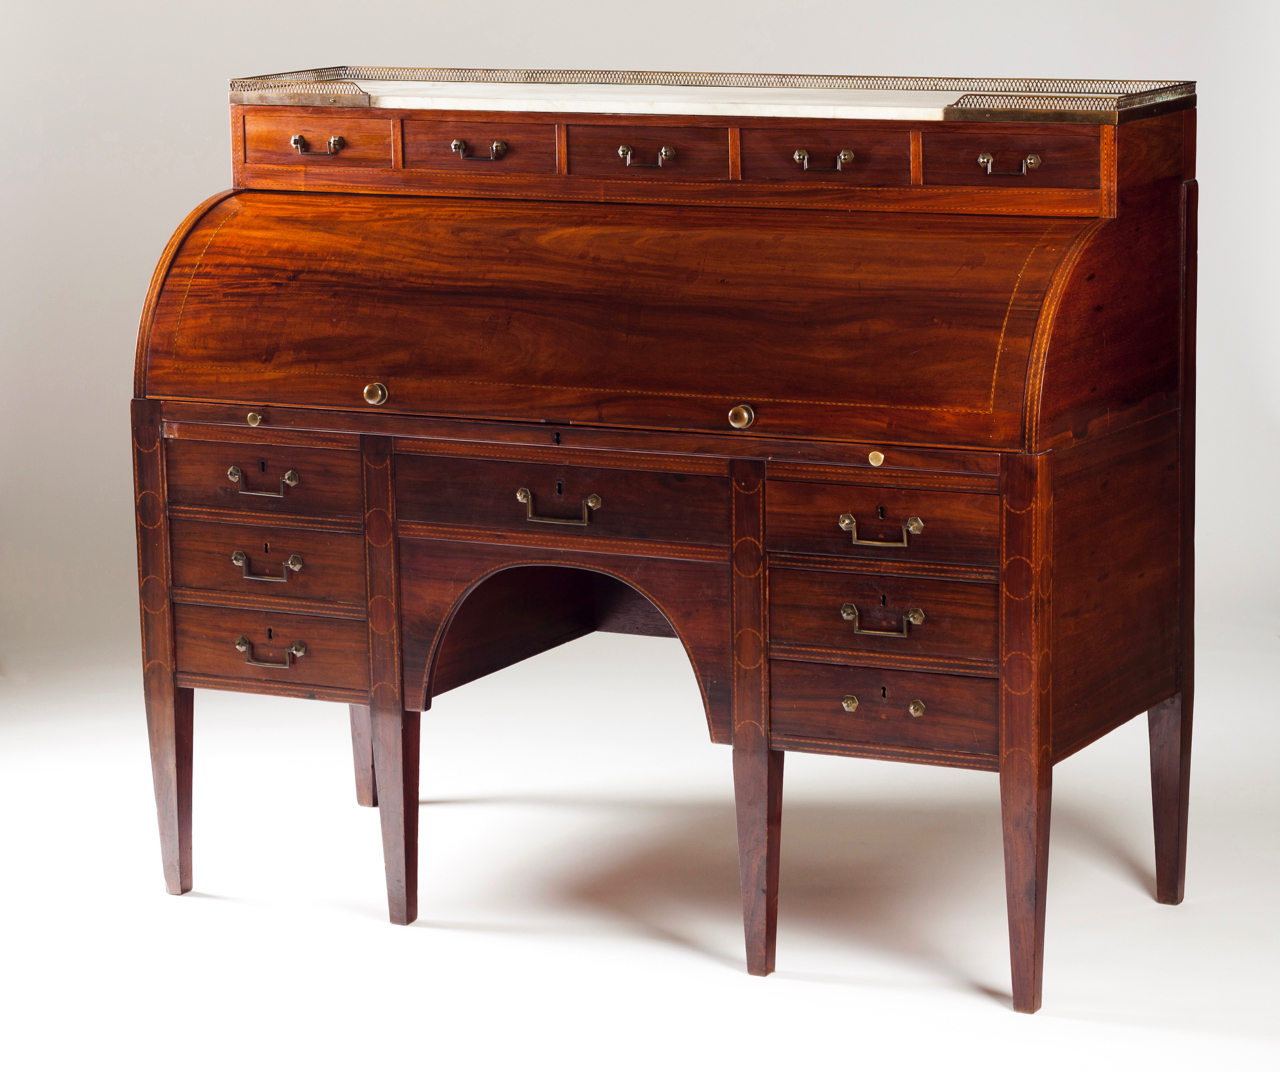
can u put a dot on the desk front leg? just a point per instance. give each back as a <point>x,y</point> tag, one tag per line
<point>757,770</point>
<point>1026,765</point>
<point>395,731</point>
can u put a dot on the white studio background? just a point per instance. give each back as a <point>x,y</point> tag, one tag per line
<point>115,126</point>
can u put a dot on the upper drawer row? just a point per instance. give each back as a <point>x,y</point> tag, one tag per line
<point>861,156</point>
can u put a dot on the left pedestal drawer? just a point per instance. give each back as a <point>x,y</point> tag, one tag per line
<point>269,561</point>
<point>283,649</point>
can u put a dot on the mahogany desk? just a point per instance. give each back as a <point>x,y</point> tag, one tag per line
<point>877,393</point>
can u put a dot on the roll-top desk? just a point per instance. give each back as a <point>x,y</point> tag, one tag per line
<point>876,393</point>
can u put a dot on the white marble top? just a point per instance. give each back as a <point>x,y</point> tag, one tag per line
<point>660,100</point>
<point>674,93</point>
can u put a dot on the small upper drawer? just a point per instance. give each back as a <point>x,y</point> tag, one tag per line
<point>829,613</point>
<point>264,477</point>
<point>529,498</point>
<point>266,560</point>
<point>480,148</point>
<point>883,524</point>
<point>329,140</point>
<point>697,154</point>
<point>867,705</point>
<point>981,159</point>
<point>850,155</point>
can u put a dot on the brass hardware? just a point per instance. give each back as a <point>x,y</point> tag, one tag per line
<point>336,144</point>
<point>289,480</point>
<point>913,527</point>
<point>1031,160</point>
<point>291,564</point>
<point>664,154</point>
<point>915,616</point>
<point>915,708</point>
<point>849,703</point>
<point>496,151</point>
<point>742,416</point>
<point>295,651</point>
<point>875,458</point>
<point>844,156</point>
<point>254,419</point>
<point>591,502</point>
<point>375,393</point>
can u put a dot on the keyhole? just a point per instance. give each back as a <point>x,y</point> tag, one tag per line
<point>882,601</point>
<point>884,693</point>
<point>557,439</point>
<point>880,512</point>
<point>270,634</point>
<point>262,467</point>
<point>559,487</point>
<point>265,548</point>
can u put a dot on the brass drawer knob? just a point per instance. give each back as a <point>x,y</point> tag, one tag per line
<point>915,708</point>
<point>742,416</point>
<point>849,703</point>
<point>375,394</point>
<point>496,151</point>
<point>254,419</point>
<point>844,156</point>
<point>876,458</point>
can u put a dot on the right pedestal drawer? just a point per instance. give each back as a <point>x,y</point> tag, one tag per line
<point>861,705</point>
<point>885,524</point>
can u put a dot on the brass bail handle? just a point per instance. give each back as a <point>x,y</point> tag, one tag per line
<point>912,527</point>
<point>289,480</point>
<point>915,708</point>
<point>915,616</point>
<point>292,564</point>
<point>591,502</point>
<point>667,152</point>
<point>1031,160</point>
<point>801,157</point>
<point>336,144</point>
<point>295,650</point>
<point>496,151</point>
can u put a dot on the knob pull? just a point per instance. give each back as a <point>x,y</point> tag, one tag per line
<point>375,393</point>
<point>915,708</point>
<point>742,416</point>
<point>849,703</point>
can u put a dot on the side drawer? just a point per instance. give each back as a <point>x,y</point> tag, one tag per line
<point>264,560</point>
<point>957,714</point>
<point>695,154</point>
<point>269,139</point>
<point>635,505</point>
<point>827,613</point>
<point>272,478</point>
<point>1062,160</point>
<point>881,524</point>
<point>879,158</point>
<point>486,148</point>
<point>336,649</point>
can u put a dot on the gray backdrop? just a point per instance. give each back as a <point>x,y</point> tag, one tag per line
<point>115,126</point>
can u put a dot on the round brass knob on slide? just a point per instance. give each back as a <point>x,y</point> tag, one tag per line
<point>742,416</point>
<point>375,394</point>
<point>254,419</point>
<point>875,458</point>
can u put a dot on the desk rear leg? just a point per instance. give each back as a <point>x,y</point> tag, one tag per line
<point>362,751</point>
<point>395,757</point>
<point>757,784</point>
<point>1169,725</point>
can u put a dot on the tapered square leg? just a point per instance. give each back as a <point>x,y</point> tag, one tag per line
<point>757,786</point>
<point>362,751</point>
<point>1169,726</point>
<point>395,757</point>
<point>1026,789</point>
<point>169,728</point>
